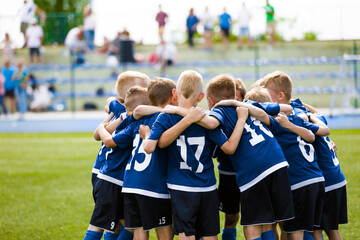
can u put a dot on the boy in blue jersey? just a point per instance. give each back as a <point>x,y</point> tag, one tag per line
<point>109,206</point>
<point>146,197</point>
<point>335,203</point>
<point>190,175</point>
<point>307,181</point>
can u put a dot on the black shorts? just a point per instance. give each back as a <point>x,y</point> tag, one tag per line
<point>34,51</point>
<point>229,194</point>
<point>335,209</point>
<point>109,206</point>
<point>10,93</point>
<point>268,201</point>
<point>146,212</point>
<point>226,31</point>
<point>195,213</point>
<point>93,182</point>
<point>308,206</point>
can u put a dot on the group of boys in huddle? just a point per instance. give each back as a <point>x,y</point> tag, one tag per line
<point>155,167</point>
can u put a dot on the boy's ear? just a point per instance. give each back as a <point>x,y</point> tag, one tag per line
<point>211,101</point>
<point>174,93</point>
<point>281,96</point>
<point>200,97</point>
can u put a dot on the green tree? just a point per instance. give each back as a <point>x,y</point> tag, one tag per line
<point>61,6</point>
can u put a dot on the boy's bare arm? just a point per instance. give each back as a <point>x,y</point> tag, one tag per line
<point>323,129</point>
<point>143,110</point>
<point>194,115</point>
<point>106,120</point>
<point>310,108</point>
<point>105,136</point>
<point>206,122</point>
<point>304,133</point>
<point>254,111</point>
<point>285,108</point>
<point>113,125</point>
<point>148,144</point>
<point>231,145</point>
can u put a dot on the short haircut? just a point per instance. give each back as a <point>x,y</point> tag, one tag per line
<point>280,82</point>
<point>128,79</point>
<point>136,96</point>
<point>258,94</point>
<point>258,83</point>
<point>160,90</point>
<point>239,84</point>
<point>189,84</point>
<point>221,87</point>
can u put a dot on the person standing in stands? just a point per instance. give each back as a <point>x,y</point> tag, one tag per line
<point>191,23</point>
<point>161,18</point>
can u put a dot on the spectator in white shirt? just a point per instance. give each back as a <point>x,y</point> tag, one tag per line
<point>34,35</point>
<point>244,22</point>
<point>27,12</point>
<point>166,56</point>
<point>208,23</point>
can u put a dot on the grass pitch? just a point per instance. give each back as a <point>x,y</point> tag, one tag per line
<point>45,190</point>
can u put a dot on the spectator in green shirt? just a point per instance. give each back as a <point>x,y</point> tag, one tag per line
<point>270,23</point>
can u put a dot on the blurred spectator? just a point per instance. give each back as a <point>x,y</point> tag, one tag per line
<point>27,12</point>
<point>76,45</point>
<point>41,99</point>
<point>166,53</point>
<point>8,49</point>
<point>191,23</point>
<point>225,24</point>
<point>2,95</point>
<point>208,24</point>
<point>9,71</point>
<point>161,18</point>
<point>270,23</point>
<point>34,35</point>
<point>22,78</point>
<point>89,27</point>
<point>244,22</point>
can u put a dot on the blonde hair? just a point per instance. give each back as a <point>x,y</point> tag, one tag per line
<point>128,79</point>
<point>279,82</point>
<point>258,94</point>
<point>221,87</point>
<point>136,96</point>
<point>258,83</point>
<point>240,86</point>
<point>160,90</point>
<point>189,84</point>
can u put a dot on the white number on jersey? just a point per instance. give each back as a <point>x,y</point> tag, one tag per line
<point>257,138</point>
<point>108,152</point>
<point>335,159</point>
<point>101,149</point>
<point>308,156</point>
<point>200,142</point>
<point>138,166</point>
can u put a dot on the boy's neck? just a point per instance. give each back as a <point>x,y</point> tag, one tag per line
<point>188,103</point>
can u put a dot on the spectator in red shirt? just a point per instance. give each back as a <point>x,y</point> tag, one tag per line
<point>161,18</point>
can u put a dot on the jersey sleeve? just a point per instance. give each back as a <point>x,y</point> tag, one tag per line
<point>159,127</point>
<point>308,125</point>
<point>116,107</point>
<point>216,112</point>
<point>126,122</point>
<point>269,108</point>
<point>124,138</point>
<point>217,136</point>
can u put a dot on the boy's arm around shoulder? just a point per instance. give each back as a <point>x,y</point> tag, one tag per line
<point>148,144</point>
<point>143,110</point>
<point>105,136</point>
<point>323,129</point>
<point>106,120</point>
<point>231,145</point>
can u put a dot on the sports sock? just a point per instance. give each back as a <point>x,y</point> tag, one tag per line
<point>229,234</point>
<point>268,235</point>
<point>308,236</point>
<point>125,234</point>
<point>111,236</point>
<point>92,235</point>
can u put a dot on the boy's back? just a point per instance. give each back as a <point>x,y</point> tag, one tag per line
<point>258,153</point>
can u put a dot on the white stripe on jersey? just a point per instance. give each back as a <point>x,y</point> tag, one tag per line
<point>226,172</point>
<point>335,186</point>
<point>191,189</point>
<point>95,170</point>
<point>110,179</point>
<point>263,175</point>
<point>307,182</point>
<point>145,193</point>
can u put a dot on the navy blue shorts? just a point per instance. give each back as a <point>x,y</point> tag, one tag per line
<point>109,206</point>
<point>195,213</point>
<point>229,194</point>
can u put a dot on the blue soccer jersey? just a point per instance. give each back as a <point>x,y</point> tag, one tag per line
<point>304,169</point>
<point>145,174</point>
<point>116,159</point>
<point>269,107</point>
<point>190,165</point>
<point>117,108</point>
<point>327,159</point>
<point>258,153</point>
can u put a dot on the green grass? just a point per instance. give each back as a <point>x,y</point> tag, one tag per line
<point>45,190</point>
